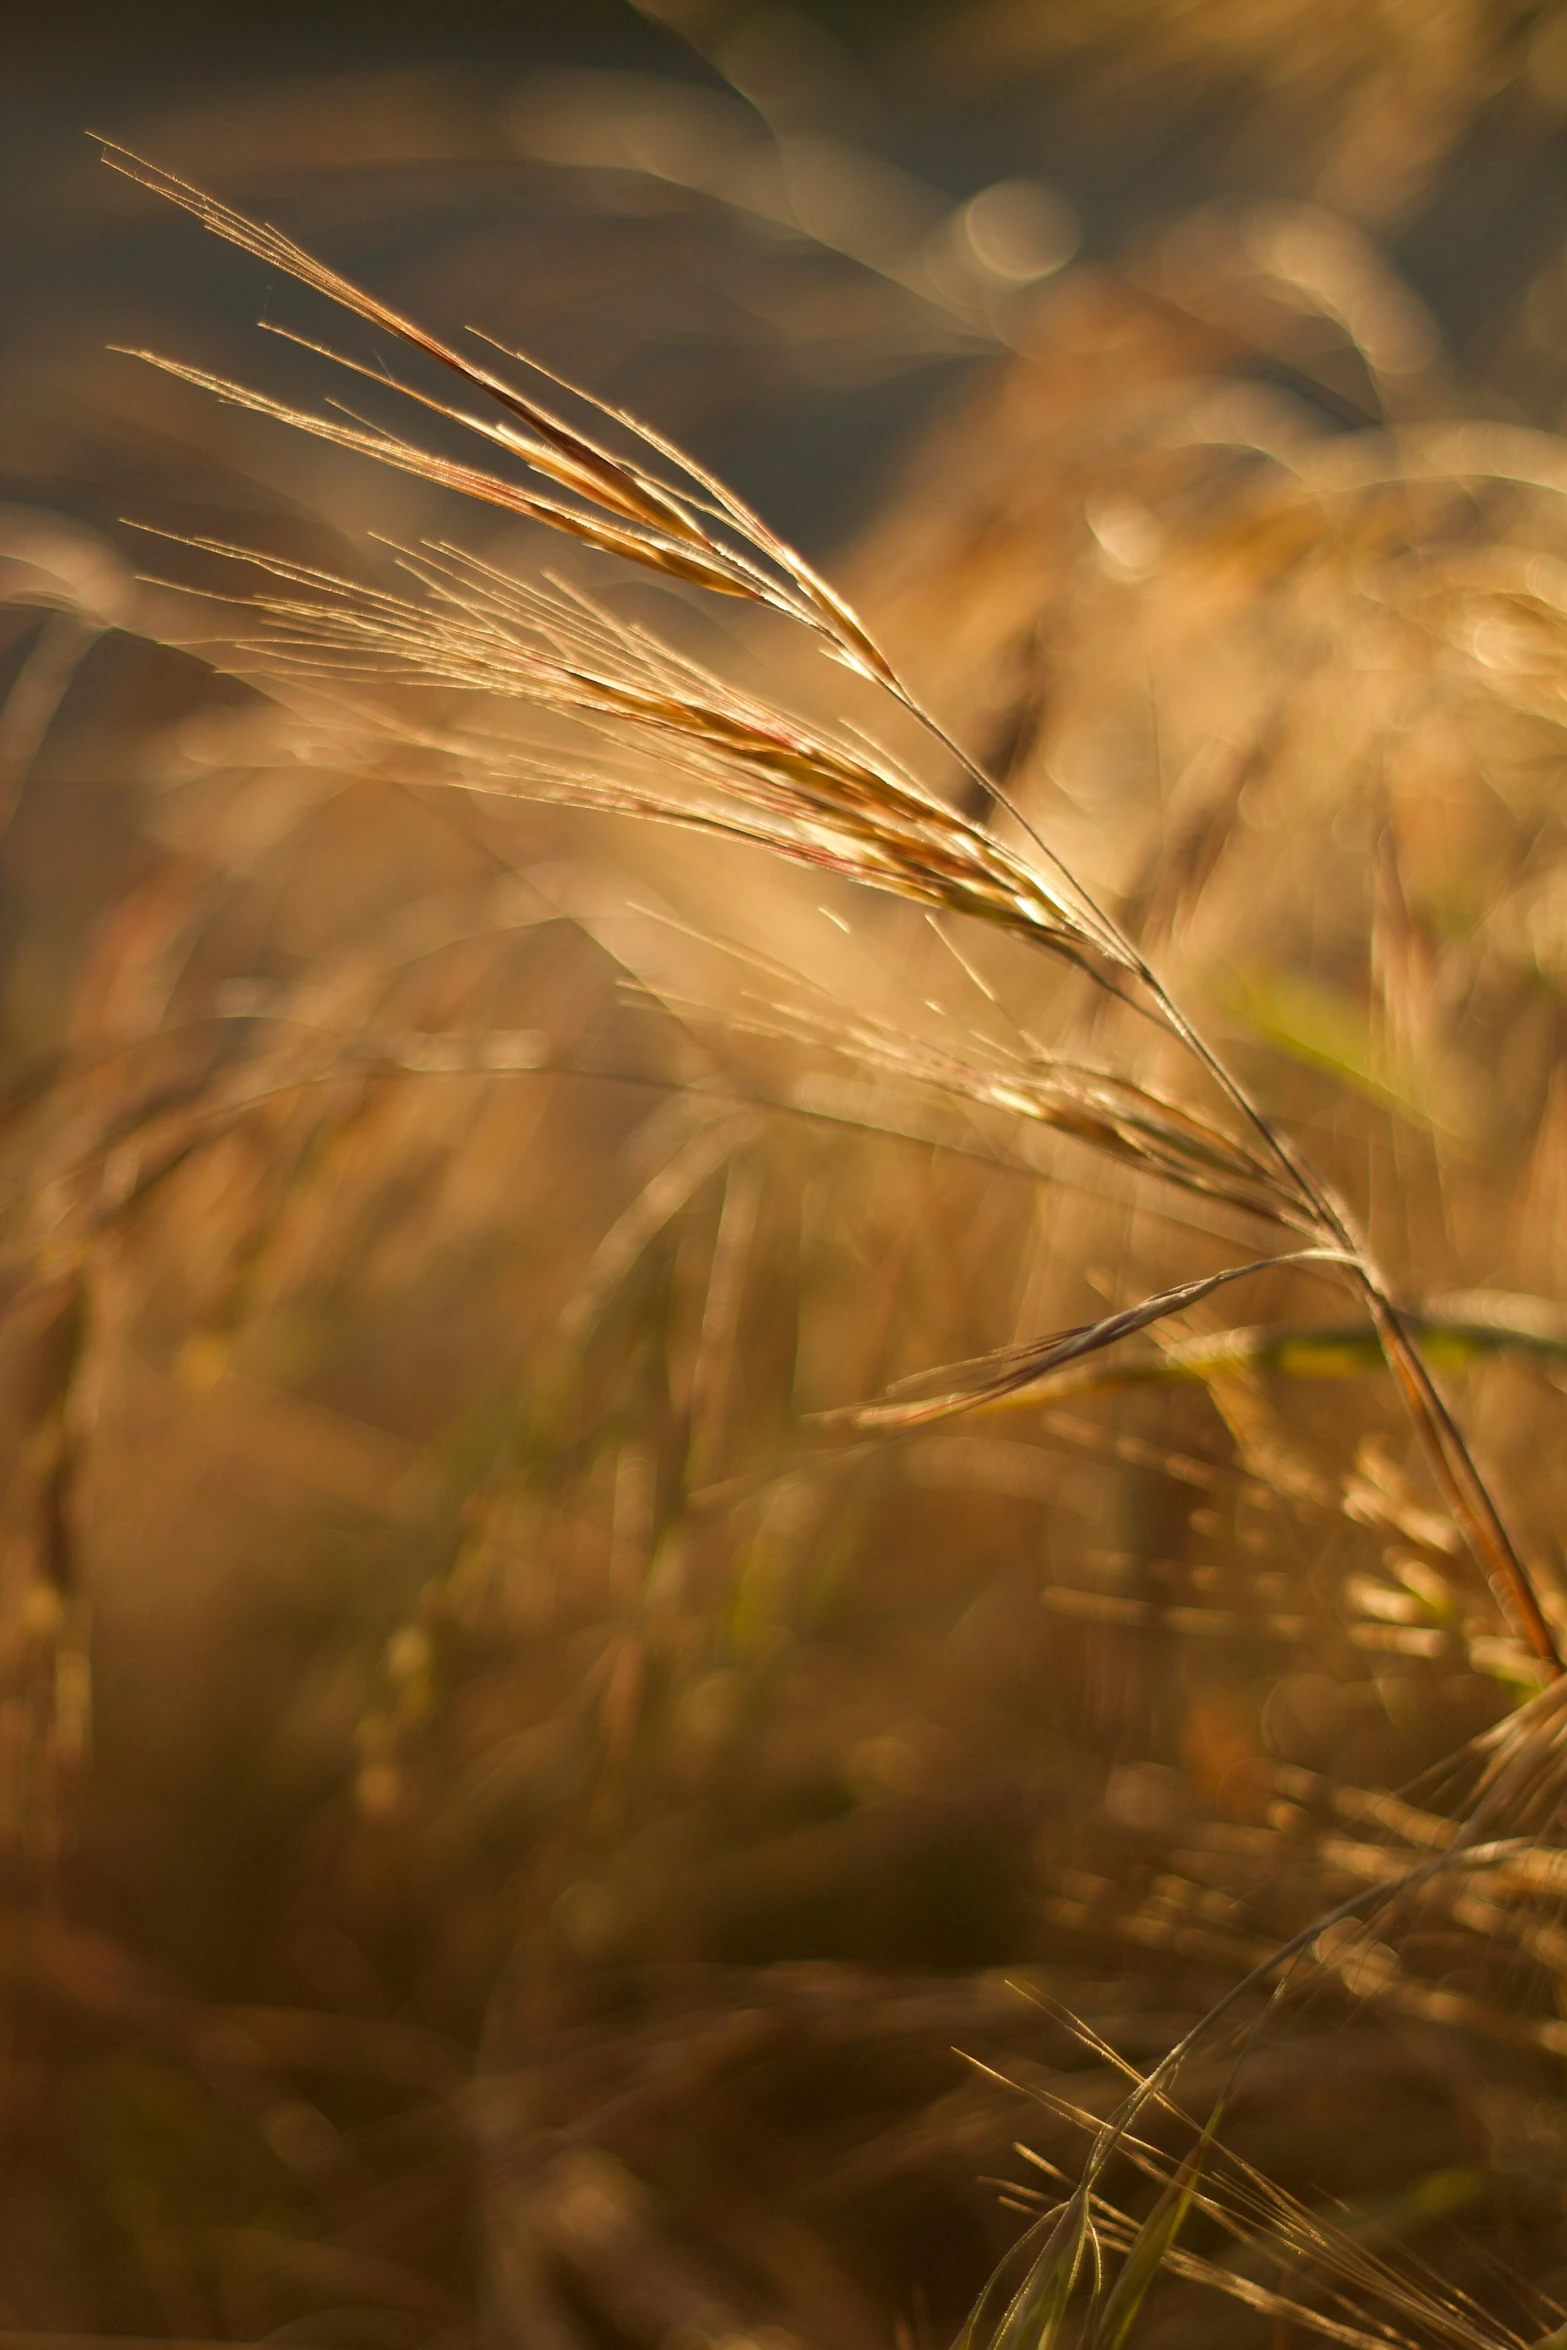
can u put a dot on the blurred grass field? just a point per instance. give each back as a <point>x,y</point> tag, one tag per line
<point>519,1824</point>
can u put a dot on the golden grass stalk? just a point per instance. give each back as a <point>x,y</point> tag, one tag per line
<point>1252,2208</point>
<point>725,762</point>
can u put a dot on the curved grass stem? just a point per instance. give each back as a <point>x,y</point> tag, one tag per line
<point>746,769</point>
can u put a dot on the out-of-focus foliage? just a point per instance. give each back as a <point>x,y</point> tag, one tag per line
<point>1371,99</point>
<point>507,1812</point>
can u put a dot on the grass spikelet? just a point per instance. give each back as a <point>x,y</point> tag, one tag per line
<point>670,532</point>
<point>1015,1370</point>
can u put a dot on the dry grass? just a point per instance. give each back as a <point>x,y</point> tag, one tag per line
<point>635,1507</point>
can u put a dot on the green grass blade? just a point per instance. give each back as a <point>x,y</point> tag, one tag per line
<point>1109,2327</point>
<point>1032,2320</point>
